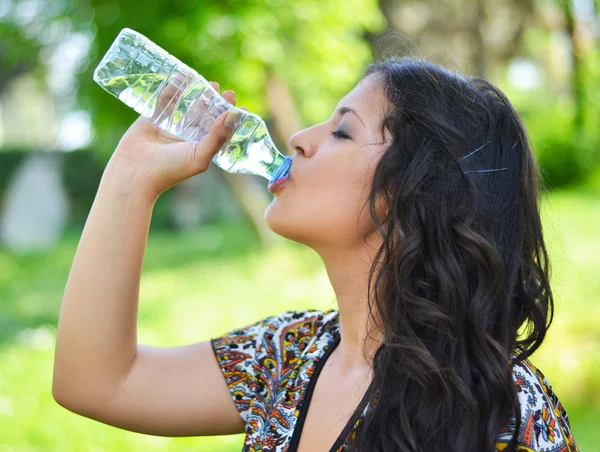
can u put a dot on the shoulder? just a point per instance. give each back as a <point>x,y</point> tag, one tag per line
<point>544,423</point>
<point>306,322</point>
<point>289,334</point>
<point>273,335</point>
<point>284,321</point>
<point>257,358</point>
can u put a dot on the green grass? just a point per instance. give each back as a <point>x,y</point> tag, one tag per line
<point>201,284</point>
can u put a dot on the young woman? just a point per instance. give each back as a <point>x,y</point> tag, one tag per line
<point>420,194</point>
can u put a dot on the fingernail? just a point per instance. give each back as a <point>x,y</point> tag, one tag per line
<point>232,117</point>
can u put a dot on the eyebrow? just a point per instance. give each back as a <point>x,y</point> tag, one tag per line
<point>343,110</point>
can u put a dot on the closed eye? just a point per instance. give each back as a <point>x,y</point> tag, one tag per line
<point>339,135</point>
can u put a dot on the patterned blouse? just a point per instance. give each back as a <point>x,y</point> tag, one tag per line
<point>271,367</point>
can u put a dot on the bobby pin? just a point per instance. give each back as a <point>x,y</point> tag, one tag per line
<point>476,150</point>
<point>486,170</point>
<point>481,171</point>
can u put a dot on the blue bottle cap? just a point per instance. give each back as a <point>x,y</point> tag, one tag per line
<point>283,170</point>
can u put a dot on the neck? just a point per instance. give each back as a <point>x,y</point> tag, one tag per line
<point>348,273</point>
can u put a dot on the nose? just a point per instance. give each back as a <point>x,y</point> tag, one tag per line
<point>300,143</point>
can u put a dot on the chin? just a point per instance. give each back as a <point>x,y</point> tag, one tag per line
<point>276,218</point>
<point>282,223</point>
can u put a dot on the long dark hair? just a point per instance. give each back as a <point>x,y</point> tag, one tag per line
<point>462,287</point>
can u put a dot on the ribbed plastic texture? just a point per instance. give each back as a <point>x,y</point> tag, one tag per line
<point>180,101</point>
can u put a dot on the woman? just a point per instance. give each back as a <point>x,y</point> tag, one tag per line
<point>433,281</point>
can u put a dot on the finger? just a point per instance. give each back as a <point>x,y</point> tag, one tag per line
<point>243,108</point>
<point>222,129</point>
<point>219,134</point>
<point>229,96</point>
<point>215,85</point>
<point>197,112</point>
<point>198,155</point>
<point>166,97</point>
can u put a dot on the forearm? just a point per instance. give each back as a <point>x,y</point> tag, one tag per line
<point>97,329</point>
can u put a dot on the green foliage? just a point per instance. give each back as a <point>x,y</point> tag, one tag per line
<point>200,284</point>
<point>25,41</point>
<point>9,162</point>
<point>238,44</point>
<point>562,156</point>
<point>81,174</point>
<point>16,50</point>
<point>568,156</point>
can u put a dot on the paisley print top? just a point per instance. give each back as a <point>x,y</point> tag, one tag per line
<point>271,366</point>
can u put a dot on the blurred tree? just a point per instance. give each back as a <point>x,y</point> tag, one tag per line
<point>37,40</point>
<point>303,44</point>
<point>576,53</point>
<point>472,36</point>
<point>570,143</point>
<point>30,30</point>
<point>286,60</point>
<point>17,53</point>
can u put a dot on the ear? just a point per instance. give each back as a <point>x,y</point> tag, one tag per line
<point>382,209</point>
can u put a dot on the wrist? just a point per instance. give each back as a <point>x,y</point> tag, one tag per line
<point>128,182</point>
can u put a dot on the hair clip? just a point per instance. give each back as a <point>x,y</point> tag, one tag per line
<point>486,170</point>
<point>481,171</point>
<point>476,150</point>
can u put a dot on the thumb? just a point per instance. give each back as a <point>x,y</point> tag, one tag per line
<point>200,154</point>
<point>222,129</point>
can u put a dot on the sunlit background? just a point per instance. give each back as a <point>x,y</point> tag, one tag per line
<point>212,264</point>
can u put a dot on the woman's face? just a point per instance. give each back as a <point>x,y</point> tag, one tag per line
<point>331,174</point>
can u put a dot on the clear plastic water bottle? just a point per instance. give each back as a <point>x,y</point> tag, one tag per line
<point>180,101</point>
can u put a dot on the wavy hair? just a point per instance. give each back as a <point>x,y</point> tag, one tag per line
<point>461,286</point>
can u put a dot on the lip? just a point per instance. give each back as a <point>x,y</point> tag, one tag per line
<point>275,186</point>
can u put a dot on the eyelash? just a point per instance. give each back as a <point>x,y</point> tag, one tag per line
<point>339,135</point>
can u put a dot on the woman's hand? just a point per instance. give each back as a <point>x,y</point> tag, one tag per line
<point>155,160</point>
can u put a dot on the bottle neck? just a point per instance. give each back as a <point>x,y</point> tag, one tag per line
<point>278,167</point>
<point>254,153</point>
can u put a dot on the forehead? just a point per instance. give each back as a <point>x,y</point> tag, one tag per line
<point>368,99</point>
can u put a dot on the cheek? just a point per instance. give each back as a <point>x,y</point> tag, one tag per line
<point>335,198</point>
<point>324,206</point>
<point>308,209</point>
<point>329,215</point>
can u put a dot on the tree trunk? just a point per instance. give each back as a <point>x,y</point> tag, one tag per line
<point>285,122</point>
<point>282,108</point>
<point>577,82</point>
<point>477,42</point>
<point>597,17</point>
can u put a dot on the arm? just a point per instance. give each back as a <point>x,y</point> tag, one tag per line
<point>96,341</point>
<point>99,369</point>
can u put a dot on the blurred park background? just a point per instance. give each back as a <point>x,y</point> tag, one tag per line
<point>211,263</point>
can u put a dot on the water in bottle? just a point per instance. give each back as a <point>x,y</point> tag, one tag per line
<point>180,101</point>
